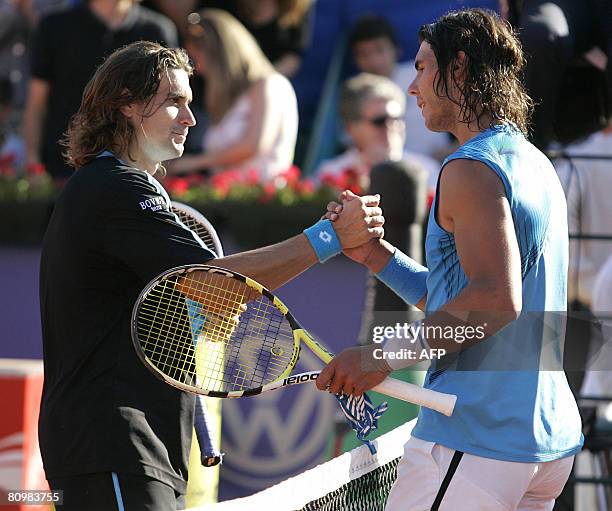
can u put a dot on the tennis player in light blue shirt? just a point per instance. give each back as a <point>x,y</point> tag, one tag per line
<point>496,275</point>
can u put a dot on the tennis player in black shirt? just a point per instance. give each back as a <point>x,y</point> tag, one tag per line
<point>112,436</point>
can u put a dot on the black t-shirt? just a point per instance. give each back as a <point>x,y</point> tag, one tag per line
<point>67,48</point>
<point>111,233</point>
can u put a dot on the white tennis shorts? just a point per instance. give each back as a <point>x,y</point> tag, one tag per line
<point>478,484</point>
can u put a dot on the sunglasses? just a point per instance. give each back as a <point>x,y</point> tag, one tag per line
<point>380,121</point>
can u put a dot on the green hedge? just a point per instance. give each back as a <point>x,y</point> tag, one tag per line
<point>255,214</point>
<point>251,224</point>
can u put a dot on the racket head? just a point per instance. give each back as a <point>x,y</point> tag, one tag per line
<point>211,331</point>
<point>199,224</point>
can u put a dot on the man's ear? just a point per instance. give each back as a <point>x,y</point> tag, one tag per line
<point>460,65</point>
<point>128,110</point>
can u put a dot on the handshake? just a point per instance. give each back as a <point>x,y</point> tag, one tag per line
<point>353,225</point>
<point>357,225</point>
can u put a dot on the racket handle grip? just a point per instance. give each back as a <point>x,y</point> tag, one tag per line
<point>210,455</point>
<point>438,401</point>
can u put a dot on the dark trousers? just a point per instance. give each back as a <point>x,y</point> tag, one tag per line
<point>124,492</point>
<point>554,33</point>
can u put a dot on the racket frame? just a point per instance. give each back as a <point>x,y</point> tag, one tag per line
<point>196,222</point>
<point>179,209</point>
<point>443,403</point>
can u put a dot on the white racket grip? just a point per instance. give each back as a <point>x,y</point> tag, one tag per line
<point>438,401</point>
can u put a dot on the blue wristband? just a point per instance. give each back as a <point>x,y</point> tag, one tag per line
<point>323,239</point>
<point>406,277</point>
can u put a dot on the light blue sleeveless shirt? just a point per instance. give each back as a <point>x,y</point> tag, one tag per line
<point>513,399</point>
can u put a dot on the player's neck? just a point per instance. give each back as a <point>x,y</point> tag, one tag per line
<point>138,162</point>
<point>464,132</point>
<point>111,12</point>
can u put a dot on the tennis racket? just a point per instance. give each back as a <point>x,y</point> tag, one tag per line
<point>215,332</point>
<point>199,225</point>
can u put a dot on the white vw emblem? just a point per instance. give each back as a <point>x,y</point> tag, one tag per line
<point>293,439</point>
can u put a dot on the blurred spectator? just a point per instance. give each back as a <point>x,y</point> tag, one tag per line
<point>12,150</point>
<point>376,50</point>
<point>587,184</point>
<point>572,100</point>
<point>372,110</point>
<point>17,20</point>
<point>280,27</point>
<point>598,382</point>
<point>252,108</point>
<point>68,46</point>
<point>37,9</point>
<point>602,302</point>
<point>14,29</point>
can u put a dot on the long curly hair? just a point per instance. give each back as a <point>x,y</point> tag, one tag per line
<point>491,84</point>
<point>131,74</point>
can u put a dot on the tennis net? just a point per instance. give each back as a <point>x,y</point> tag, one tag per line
<point>354,481</point>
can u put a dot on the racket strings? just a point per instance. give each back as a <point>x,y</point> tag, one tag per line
<point>251,360</point>
<point>193,225</point>
<point>214,332</point>
<point>166,339</point>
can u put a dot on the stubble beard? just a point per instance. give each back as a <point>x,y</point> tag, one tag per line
<point>440,121</point>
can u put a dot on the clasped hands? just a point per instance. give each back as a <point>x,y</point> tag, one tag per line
<point>355,370</point>
<point>357,220</point>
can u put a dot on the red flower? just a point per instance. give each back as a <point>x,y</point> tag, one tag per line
<point>35,169</point>
<point>269,189</point>
<point>223,181</point>
<point>251,177</point>
<point>305,187</point>
<point>329,180</point>
<point>177,185</point>
<point>348,179</point>
<point>6,165</point>
<point>351,181</point>
<point>194,180</point>
<point>430,198</point>
<point>292,174</point>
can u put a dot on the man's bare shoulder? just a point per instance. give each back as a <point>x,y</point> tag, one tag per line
<point>470,179</point>
<point>469,190</point>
